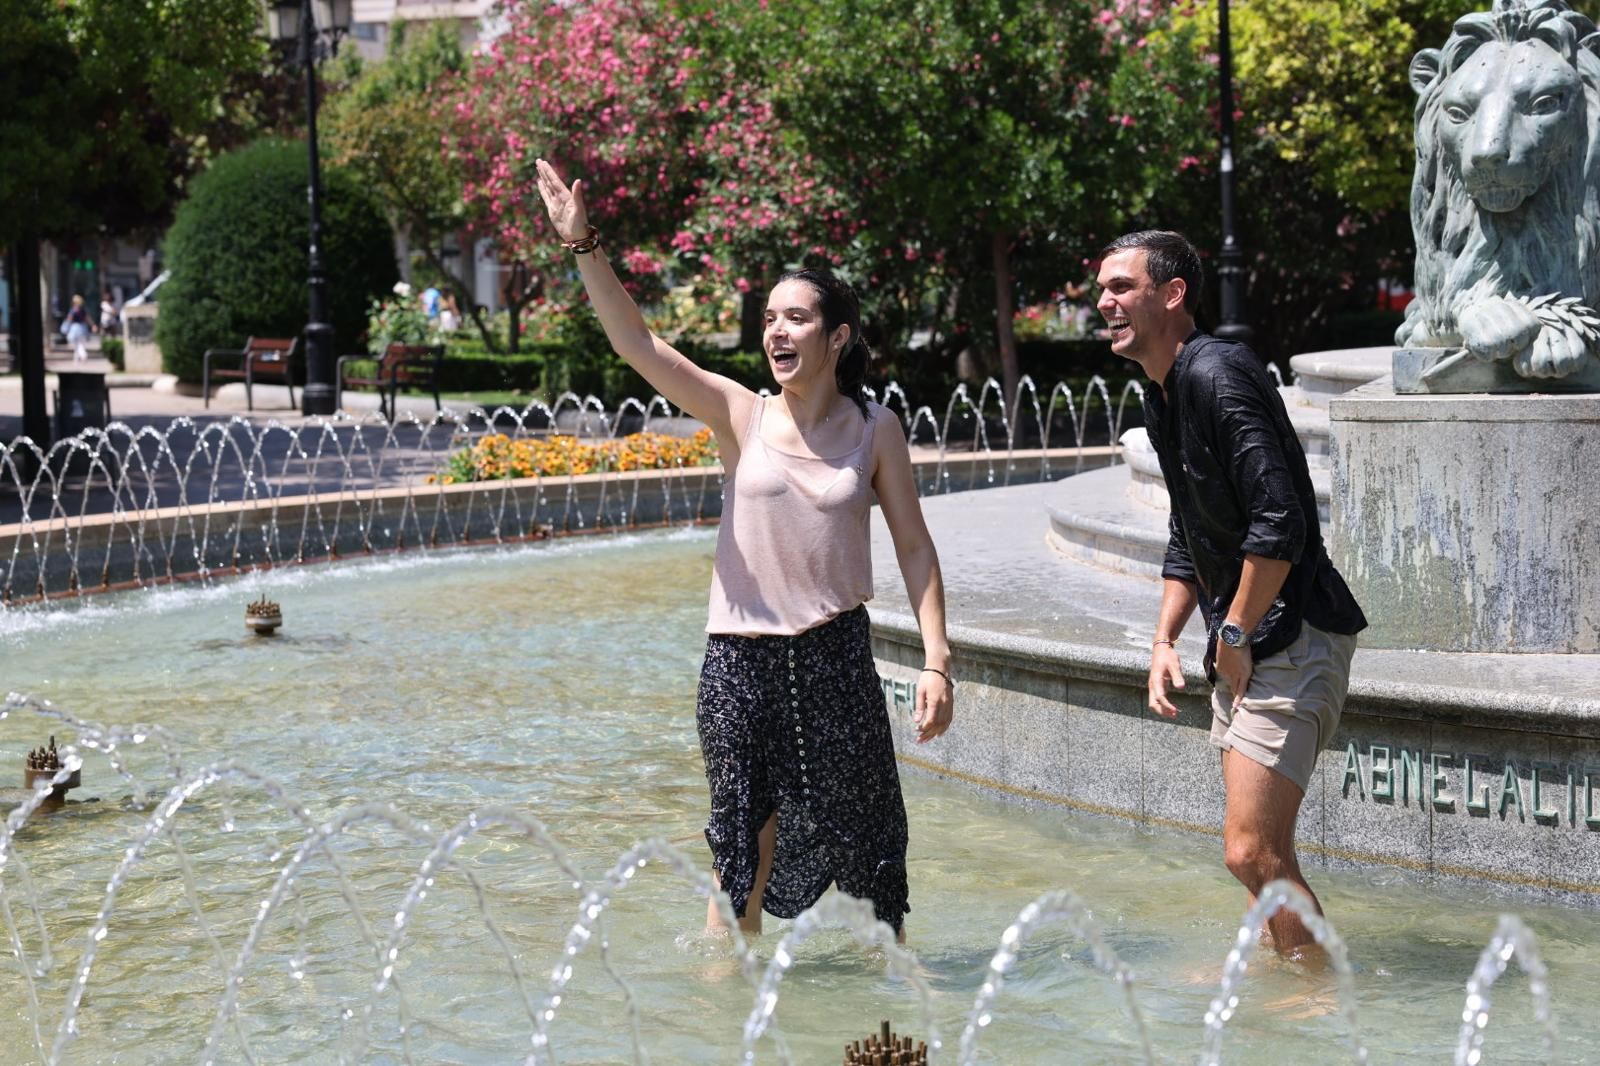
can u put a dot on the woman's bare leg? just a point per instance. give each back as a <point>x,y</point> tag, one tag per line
<point>750,924</point>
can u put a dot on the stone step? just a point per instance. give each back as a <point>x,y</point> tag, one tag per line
<point>1095,519</point>
<point>1320,376</point>
<point>1147,487</point>
<point>1310,422</point>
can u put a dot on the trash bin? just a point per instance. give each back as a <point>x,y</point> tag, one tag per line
<point>81,398</point>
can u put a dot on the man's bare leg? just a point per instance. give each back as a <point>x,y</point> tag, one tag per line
<point>750,924</point>
<point>1258,839</point>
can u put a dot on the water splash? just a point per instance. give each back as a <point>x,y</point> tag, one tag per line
<point>125,507</point>
<point>1276,896</point>
<point>855,915</point>
<point>1512,939</point>
<point>1063,906</point>
<point>588,928</point>
<point>386,943</point>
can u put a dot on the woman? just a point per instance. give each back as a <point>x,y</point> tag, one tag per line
<point>76,327</point>
<point>799,756</point>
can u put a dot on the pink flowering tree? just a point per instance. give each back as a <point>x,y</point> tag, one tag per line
<point>682,164</point>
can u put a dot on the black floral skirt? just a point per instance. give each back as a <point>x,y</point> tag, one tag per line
<point>797,725</point>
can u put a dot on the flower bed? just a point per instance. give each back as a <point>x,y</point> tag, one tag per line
<point>498,456</point>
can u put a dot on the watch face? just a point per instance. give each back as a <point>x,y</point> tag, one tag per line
<point>1231,635</point>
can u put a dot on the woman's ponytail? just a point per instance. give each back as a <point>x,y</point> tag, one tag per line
<point>850,372</point>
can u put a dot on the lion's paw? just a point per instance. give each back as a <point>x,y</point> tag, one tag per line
<point>1555,352</point>
<point>1497,328</point>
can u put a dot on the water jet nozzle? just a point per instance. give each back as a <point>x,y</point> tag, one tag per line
<point>263,616</point>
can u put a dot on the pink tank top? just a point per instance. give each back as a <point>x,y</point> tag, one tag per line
<point>794,546</point>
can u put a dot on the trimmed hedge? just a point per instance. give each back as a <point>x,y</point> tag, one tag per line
<point>547,369</point>
<point>472,371</point>
<point>237,252</point>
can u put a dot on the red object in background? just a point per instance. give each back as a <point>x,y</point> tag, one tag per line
<point>1392,296</point>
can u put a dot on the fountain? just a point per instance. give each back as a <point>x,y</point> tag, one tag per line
<point>202,499</point>
<point>289,915</point>
<point>263,617</point>
<point>43,770</point>
<point>509,909</point>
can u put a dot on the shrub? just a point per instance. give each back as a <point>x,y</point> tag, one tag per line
<point>237,252</point>
<point>398,319</point>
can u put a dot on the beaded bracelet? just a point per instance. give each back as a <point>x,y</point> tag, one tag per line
<point>941,673</point>
<point>583,244</point>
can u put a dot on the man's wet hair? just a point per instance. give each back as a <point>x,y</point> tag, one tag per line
<point>1168,255</point>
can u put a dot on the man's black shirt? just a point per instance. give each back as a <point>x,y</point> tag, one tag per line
<point>1239,485</point>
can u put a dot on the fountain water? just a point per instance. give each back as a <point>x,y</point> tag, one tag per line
<point>1276,896</point>
<point>1060,905</point>
<point>203,499</point>
<point>356,908</point>
<point>1511,939</point>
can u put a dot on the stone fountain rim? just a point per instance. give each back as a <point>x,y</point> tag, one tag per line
<point>1394,697</point>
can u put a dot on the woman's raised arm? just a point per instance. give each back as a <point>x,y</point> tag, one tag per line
<point>719,402</point>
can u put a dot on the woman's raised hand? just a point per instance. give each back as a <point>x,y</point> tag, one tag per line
<point>567,213</point>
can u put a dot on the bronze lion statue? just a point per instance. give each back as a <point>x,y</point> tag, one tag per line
<point>1505,201</point>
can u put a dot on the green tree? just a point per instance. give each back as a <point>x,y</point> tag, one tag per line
<point>1326,86</point>
<point>386,126</point>
<point>237,252</point>
<point>979,136</point>
<point>1323,144</point>
<point>103,99</point>
<point>682,160</point>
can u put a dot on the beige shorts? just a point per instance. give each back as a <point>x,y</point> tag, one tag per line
<point>1291,706</point>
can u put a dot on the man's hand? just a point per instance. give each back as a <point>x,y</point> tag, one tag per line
<point>1235,665</point>
<point>1165,669</point>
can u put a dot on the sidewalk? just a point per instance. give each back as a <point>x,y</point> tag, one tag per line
<point>154,400</point>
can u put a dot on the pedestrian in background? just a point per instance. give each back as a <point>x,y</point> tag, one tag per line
<point>76,327</point>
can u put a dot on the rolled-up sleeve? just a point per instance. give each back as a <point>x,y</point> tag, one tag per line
<point>1178,564</point>
<point>1258,462</point>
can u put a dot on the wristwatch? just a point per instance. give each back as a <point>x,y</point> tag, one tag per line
<point>1231,635</point>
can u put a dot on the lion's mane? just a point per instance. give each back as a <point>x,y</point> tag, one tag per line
<point>1551,243</point>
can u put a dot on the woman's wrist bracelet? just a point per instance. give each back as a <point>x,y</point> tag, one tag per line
<point>941,673</point>
<point>584,244</point>
<point>1168,643</point>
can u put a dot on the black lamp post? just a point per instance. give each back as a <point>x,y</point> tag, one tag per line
<point>1230,261</point>
<point>312,28</point>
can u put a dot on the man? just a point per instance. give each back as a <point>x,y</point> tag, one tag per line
<point>1246,546</point>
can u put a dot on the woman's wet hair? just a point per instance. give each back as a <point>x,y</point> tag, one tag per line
<point>840,307</point>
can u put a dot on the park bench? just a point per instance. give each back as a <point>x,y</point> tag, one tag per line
<point>260,358</point>
<point>399,366</point>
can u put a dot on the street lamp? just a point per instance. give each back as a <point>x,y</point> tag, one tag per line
<point>1230,261</point>
<point>312,28</point>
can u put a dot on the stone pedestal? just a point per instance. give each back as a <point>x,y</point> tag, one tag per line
<point>1468,522</point>
<point>139,352</point>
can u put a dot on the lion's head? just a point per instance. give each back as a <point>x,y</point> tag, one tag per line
<point>1505,200</point>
